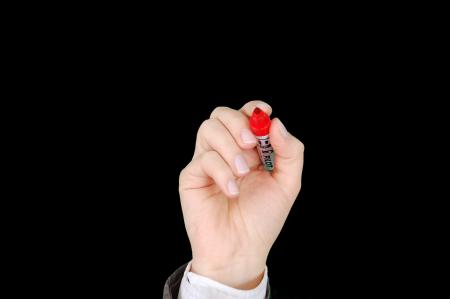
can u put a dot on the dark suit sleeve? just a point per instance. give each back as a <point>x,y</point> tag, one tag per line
<point>172,285</point>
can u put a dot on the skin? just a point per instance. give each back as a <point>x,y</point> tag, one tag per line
<point>231,233</point>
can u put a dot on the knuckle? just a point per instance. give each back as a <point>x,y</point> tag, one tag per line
<point>210,124</point>
<point>206,126</point>
<point>217,111</point>
<point>203,125</point>
<point>228,116</point>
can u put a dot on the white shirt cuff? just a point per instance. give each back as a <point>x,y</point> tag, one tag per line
<point>200,287</point>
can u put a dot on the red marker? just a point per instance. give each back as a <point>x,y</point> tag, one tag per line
<point>260,126</point>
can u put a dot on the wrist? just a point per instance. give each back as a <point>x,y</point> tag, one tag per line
<point>243,273</point>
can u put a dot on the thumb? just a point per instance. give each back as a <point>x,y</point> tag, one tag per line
<point>288,158</point>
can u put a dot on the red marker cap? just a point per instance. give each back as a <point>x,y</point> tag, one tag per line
<point>259,122</point>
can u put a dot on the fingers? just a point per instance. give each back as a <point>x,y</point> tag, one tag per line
<point>213,136</point>
<point>225,149</point>
<point>248,108</point>
<point>206,167</point>
<point>288,158</point>
<point>237,124</point>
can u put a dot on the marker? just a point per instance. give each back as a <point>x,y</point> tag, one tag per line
<point>260,126</point>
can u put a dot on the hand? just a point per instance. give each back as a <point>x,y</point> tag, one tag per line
<point>233,209</point>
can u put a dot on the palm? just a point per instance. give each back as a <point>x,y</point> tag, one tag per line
<point>218,225</point>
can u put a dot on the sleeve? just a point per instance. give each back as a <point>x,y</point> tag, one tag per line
<point>187,285</point>
<point>172,285</point>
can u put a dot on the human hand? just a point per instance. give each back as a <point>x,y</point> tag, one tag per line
<point>233,209</point>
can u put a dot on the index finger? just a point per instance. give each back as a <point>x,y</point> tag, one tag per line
<point>248,108</point>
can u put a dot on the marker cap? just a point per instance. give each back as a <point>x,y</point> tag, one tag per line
<point>260,122</point>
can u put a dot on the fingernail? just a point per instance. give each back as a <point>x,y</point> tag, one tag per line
<point>233,187</point>
<point>283,130</point>
<point>241,164</point>
<point>247,136</point>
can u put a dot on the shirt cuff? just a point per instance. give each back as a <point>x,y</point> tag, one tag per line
<point>200,287</point>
